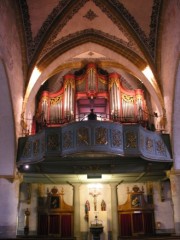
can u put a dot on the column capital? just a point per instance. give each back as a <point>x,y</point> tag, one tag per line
<point>175,183</point>
<point>114,184</point>
<point>171,172</point>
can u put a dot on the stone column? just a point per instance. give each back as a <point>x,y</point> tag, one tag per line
<point>175,190</point>
<point>114,208</point>
<point>9,207</point>
<point>76,204</point>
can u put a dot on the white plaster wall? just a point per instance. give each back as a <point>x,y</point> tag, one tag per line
<point>28,199</point>
<point>8,207</point>
<point>170,49</point>
<point>163,210</point>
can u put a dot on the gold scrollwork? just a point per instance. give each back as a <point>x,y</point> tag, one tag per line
<point>149,144</point>
<point>116,138</point>
<point>27,149</point>
<point>101,136</point>
<point>67,136</point>
<point>102,80</point>
<point>69,81</point>
<point>36,147</point>
<point>112,81</point>
<point>55,100</point>
<point>83,136</point>
<point>160,147</point>
<point>52,142</point>
<point>42,145</point>
<point>131,140</point>
<point>127,98</point>
<point>80,81</point>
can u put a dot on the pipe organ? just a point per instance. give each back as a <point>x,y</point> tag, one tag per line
<point>92,88</point>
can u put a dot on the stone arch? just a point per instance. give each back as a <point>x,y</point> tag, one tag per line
<point>68,60</point>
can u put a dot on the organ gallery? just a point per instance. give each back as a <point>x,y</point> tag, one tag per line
<point>89,119</point>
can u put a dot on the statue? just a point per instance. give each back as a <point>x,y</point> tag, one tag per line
<point>26,228</point>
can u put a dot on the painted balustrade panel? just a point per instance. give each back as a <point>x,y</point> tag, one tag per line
<point>152,145</point>
<point>32,148</point>
<point>93,137</point>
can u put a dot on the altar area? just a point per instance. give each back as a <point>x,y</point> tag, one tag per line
<point>65,211</point>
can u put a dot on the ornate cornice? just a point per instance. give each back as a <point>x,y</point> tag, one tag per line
<point>85,32</point>
<point>95,36</point>
<point>27,28</point>
<point>154,27</point>
<point>60,11</point>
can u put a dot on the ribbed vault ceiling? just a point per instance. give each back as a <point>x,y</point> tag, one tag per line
<point>52,27</point>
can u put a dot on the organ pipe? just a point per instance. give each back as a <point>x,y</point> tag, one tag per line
<point>124,104</point>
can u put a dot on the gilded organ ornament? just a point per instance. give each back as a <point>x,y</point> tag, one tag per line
<point>128,98</point>
<point>101,136</point>
<point>116,138</point>
<point>83,136</point>
<point>68,139</point>
<point>131,140</point>
<point>52,142</point>
<point>55,100</point>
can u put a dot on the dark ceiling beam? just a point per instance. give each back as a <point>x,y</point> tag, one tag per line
<point>140,176</point>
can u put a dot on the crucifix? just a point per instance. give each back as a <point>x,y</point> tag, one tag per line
<point>94,194</point>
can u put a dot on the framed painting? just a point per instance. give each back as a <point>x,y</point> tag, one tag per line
<point>136,200</point>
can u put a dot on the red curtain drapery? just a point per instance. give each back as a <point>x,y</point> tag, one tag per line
<point>137,222</point>
<point>66,226</point>
<point>43,224</point>
<point>54,224</point>
<point>148,223</point>
<point>125,225</point>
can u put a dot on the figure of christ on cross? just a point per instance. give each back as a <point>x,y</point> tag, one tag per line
<point>94,194</point>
